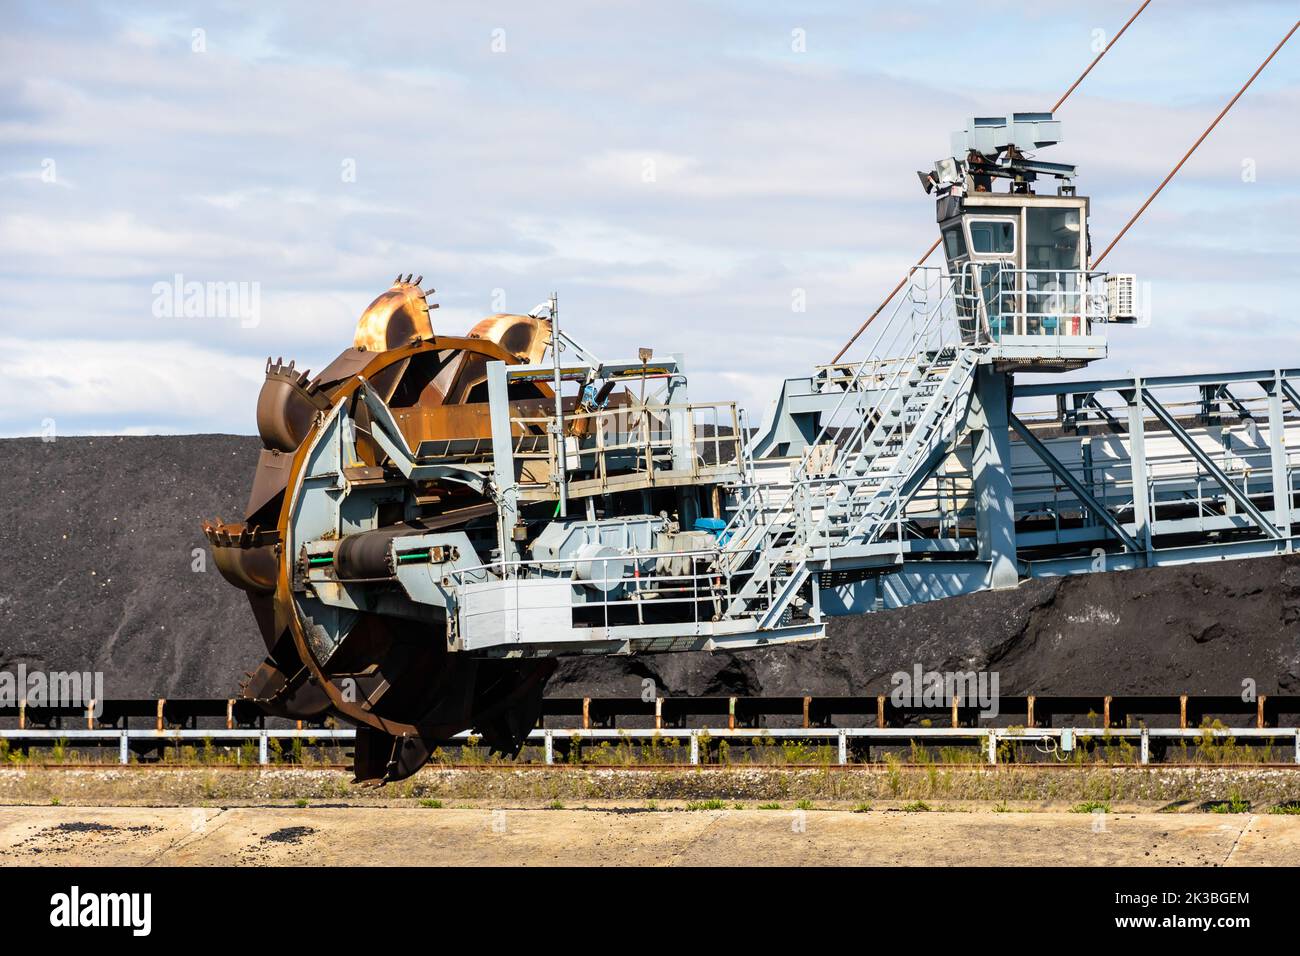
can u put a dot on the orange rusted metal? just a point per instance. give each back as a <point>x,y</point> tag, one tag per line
<point>522,336</point>
<point>395,318</point>
<point>435,389</point>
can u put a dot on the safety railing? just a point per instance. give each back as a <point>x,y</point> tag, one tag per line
<point>1209,446</point>
<point>1033,302</point>
<point>940,420</point>
<point>851,744</point>
<point>695,439</point>
<point>616,589</point>
<point>919,322</point>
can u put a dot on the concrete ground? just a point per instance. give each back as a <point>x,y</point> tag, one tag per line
<point>359,835</point>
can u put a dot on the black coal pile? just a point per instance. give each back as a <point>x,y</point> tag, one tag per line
<point>1198,629</point>
<point>103,567</point>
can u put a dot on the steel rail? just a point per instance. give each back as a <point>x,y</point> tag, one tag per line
<point>991,739</point>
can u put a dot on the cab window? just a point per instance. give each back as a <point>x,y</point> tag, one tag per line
<point>954,243</point>
<point>993,237</point>
<point>1053,240</point>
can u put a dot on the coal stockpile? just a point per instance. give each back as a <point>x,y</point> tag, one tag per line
<point>104,566</point>
<point>98,572</point>
<point>1199,629</point>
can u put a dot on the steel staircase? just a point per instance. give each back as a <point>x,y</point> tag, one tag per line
<point>849,498</point>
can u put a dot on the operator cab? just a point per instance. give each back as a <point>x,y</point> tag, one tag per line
<point>1017,260</point>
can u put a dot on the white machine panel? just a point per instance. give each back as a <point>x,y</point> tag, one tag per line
<point>518,611</point>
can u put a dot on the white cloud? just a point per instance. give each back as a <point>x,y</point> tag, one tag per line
<point>524,171</point>
<point>107,386</point>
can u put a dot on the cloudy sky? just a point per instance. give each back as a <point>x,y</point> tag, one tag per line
<point>676,172</point>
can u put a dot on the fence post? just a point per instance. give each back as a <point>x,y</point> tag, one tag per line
<point>695,746</point>
<point>262,756</point>
<point>844,747</point>
<point>993,746</point>
<point>1145,751</point>
<point>123,751</point>
<point>550,748</point>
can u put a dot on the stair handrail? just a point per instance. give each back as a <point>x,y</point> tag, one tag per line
<point>758,533</point>
<point>894,495</point>
<point>730,558</point>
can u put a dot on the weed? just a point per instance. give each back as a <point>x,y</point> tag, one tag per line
<point>706,805</point>
<point>1234,804</point>
<point>1091,806</point>
<point>895,775</point>
<point>802,752</point>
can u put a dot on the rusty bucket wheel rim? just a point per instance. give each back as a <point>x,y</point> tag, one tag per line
<point>283,593</point>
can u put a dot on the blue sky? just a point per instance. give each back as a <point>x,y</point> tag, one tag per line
<point>502,153</point>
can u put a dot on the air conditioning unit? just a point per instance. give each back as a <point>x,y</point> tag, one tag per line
<point>1121,298</point>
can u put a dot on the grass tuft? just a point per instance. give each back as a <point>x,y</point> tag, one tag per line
<point>1091,806</point>
<point>706,805</point>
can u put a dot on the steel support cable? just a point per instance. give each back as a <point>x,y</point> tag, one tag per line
<point>935,245</point>
<point>1188,155</point>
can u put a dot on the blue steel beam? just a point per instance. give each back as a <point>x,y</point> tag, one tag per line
<point>991,475</point>
<point>1207,463</point>
<point>1076,487</point>
<point>1277,457</point>
<point>1289,391</point>
<point>1039,389</point>
<point>1137,449</point>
